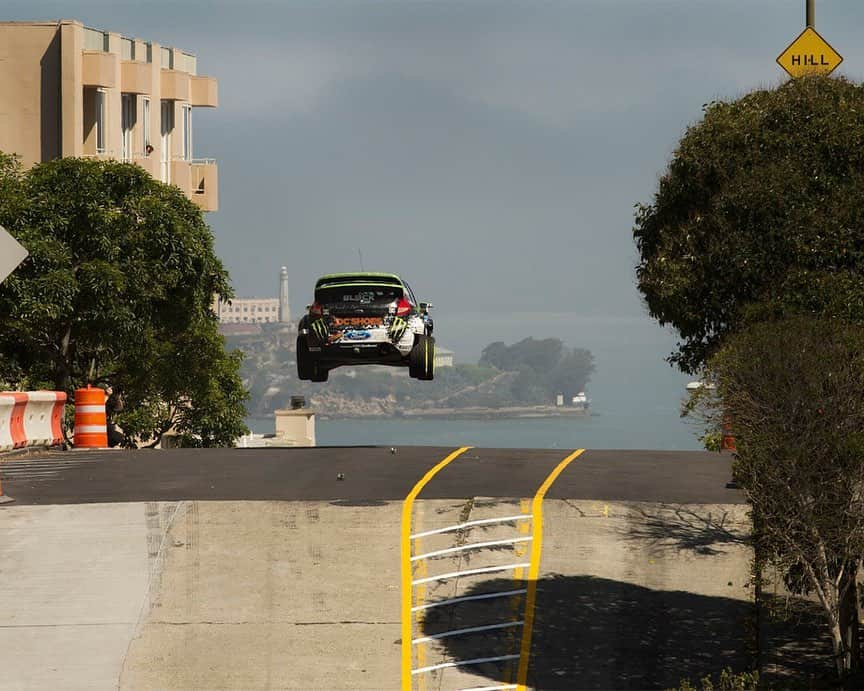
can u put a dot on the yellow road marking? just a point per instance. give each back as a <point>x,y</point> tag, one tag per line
<point>407,507</point>
<point>518,575</point>
<point>534,569</point>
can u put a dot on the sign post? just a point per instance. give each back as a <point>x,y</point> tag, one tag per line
<point>809,53</point>
<point>11,254</point>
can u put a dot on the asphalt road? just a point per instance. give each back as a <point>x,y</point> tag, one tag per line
<point>370,474</point>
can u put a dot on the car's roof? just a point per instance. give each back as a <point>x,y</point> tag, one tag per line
<point>359,278</point>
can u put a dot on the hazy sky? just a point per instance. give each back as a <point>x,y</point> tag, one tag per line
<point>489,151</point>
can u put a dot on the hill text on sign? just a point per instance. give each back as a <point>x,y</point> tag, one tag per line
<point>809,54</point>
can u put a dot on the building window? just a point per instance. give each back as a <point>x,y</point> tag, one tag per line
<point>127,123</point>
<point>145,124</point>
<point>187,132</point>
<point>166,129</point>
<point>99,119</point>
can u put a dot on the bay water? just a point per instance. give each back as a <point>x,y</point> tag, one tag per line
<point>647,429</point>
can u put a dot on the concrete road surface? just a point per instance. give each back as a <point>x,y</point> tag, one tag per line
<point>259,569</point>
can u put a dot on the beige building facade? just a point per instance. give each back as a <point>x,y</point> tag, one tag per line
<point>248,311</point>
<point>70,90</point>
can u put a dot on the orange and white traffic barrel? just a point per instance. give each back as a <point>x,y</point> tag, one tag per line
<point>91,424</point>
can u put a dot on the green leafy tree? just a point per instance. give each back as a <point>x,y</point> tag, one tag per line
<point>118,289</point>
<point>760,217</point>
<point>792,391</point>
<point>545,367</point>
<point>759,214</point>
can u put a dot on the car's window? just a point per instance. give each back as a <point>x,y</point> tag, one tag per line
<point>411,296</point>
<point>358,295</point>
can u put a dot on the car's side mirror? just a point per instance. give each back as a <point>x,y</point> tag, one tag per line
<point>426,306</point>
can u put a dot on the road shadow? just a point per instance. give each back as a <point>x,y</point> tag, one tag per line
<point>796,649</point>
<point>595,633</point>
<point>705,532</point>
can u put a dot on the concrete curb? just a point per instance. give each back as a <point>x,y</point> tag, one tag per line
<point>4,499</point>
<point>28,451</point>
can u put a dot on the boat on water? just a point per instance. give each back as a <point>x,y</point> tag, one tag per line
<point>580,400</point>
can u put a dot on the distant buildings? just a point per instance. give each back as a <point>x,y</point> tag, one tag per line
<point>257,310</point>
<point>249,311</point>
<point>70,90</point>
<point>443,357</point>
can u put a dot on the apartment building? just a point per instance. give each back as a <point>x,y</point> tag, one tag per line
<point>70,90</point>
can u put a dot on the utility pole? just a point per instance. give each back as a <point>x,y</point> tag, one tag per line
<point>811,13</point>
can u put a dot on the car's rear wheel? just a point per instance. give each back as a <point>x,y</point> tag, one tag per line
<point>305,363</point>
<point>421,360</point>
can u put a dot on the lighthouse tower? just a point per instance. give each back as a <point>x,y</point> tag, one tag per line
<point>284,308</point>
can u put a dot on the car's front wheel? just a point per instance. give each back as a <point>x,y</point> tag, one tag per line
<point>421,360</point>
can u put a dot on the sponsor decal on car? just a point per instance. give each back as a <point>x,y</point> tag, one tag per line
<point>356,335</point>
<point>397,328</point>
<point>361,322</point>
<point>320,329</point>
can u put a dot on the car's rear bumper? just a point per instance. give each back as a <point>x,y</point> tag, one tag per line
<point>361,342</point>
<point>379,353</point>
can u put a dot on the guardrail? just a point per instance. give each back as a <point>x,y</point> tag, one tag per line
<point>31,418</point>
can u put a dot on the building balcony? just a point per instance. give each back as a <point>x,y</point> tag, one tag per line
<point>98,69</point>
<point>205,92</point>
<point>199,180</point>
<point>135,77</point>
<point>205,184</point>
<point>149,163</point>
<point>176,86</point>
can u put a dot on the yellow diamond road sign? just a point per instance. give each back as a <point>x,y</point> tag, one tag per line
<point>809,54</point>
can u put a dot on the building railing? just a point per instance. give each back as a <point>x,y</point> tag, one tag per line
<point>94,39</point>
<point>101,153</point>
<point>167,59</point>
<point>127,48</point>
<point>185,62</point>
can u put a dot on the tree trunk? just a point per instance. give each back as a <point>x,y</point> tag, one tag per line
<point>850,660</point>
<point>61,367</point>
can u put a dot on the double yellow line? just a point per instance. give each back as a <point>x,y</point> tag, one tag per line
<point>407,508</point>
<point>533,571</point>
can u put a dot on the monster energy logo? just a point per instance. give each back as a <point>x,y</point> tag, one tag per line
<point>319,328</point>
<point>397,328</point>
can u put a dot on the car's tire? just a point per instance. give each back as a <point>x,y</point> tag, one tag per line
<point>421,359</point>
<point>319,373</point>
<point>305,363</point>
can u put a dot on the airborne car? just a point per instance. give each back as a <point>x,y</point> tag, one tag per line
<point>365,318</point>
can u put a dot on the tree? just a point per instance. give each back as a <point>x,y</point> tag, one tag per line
<point>545,367</point>
<point>759,214</point>
<point>792,390</point>
<point>118,289</point>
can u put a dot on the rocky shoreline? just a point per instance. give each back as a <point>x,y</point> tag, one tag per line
<point>477,413</point>
<point>470,413</point>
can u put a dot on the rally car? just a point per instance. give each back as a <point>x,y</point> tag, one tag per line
<point>365,318</point>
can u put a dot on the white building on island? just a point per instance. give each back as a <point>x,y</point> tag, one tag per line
<point>257,310</point>
<point>443,357</point>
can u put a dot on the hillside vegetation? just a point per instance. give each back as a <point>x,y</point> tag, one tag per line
<point>528,373</point>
